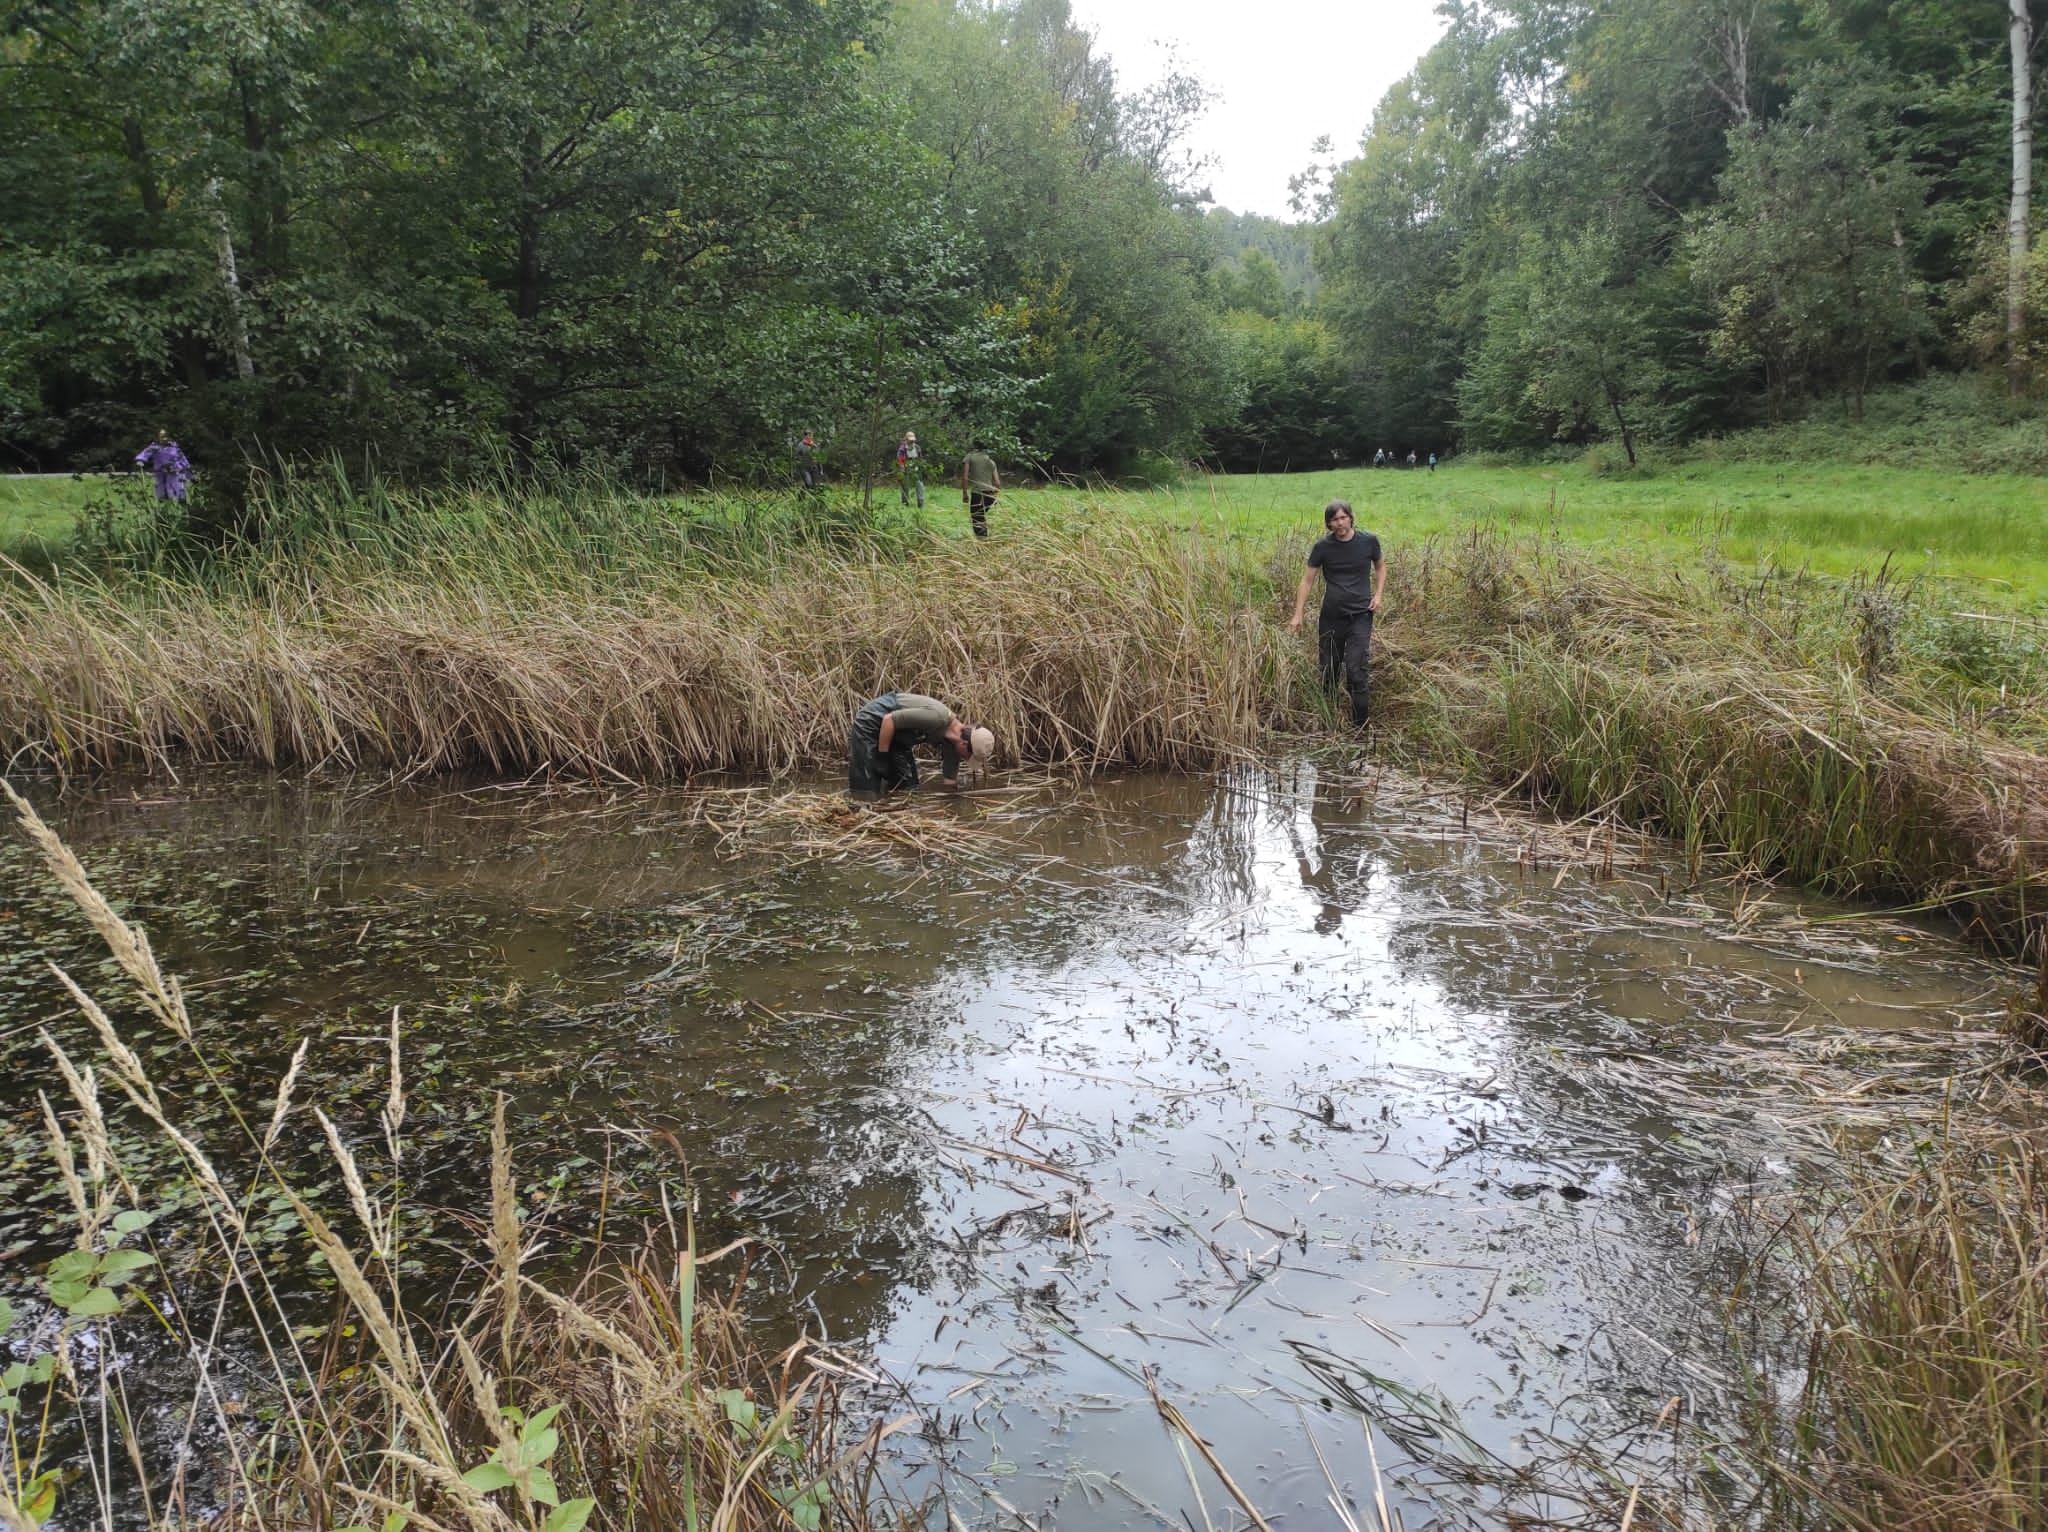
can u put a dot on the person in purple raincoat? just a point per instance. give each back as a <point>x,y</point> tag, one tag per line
<point>166,459</point>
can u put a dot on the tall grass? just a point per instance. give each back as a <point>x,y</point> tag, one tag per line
<point>1855,735</point>
<point>633,1398</point>
<point>1922,1401</point>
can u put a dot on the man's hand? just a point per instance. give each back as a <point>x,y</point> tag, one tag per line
<point>1294,623</point>
<point>1375,605</point>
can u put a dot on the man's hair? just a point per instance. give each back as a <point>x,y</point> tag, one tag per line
<point>1332,510</point>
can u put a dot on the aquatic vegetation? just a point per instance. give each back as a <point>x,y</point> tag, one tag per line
<point>1096,648</point>
<point>1730,716</point>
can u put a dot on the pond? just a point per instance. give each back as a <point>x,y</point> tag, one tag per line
<point>1301,1094</point>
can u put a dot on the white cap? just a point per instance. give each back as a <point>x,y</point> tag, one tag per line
<point>983,743</point>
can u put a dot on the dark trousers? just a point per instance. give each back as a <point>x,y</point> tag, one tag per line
<point>978,502</point>
<point>870,768</point>
<point>1344,649</point>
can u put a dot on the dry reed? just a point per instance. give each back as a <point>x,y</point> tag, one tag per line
<point>1922,1402</point>
<point>1745,720</point>
<point>1096,648</point>
<point>1732,718</point>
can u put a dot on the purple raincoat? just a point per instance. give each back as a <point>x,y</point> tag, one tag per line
<point>172,468</point>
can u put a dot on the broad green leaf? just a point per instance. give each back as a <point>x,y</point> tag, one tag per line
<point>397,1521</point>
<point>129,1220</point>
<point>539,1422</point>
<point>69,1290</point>
<point>73,1266</point>
<point>538,1449</point>
<point>6,1316</point>
<point>541,1485</point>
<point>118,1263</point>
<point>739,1409</point>
<point>487,1477</point>
<point>570,1515</point>
<point>96,1304</point>
<point>15,1375</point>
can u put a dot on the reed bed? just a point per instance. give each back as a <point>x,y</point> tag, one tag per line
<point>1741,720</point>
<point>1846,736</point>
<point>1097,648</point>
<point>1921,1404</point>
<point>634,1396</point>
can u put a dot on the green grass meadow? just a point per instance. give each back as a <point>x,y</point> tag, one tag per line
<point>1979,537</point>
<point>41,513</point>
<point>1982,537</point>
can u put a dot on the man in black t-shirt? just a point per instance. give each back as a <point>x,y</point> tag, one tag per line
<point>1354,575</point>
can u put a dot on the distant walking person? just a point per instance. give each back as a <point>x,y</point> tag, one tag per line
<point>1379,459</point>
<point>980,479</point>
<point>167,461</point>
<point>1354,575</point>
<point>910,468</point>
<point>807,462</point>
<point>1432,462</point>
<point>887,729</point>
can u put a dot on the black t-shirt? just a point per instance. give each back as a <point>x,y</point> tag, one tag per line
<point>1347,572</point>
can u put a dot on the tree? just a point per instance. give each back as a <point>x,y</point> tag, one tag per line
<point>2019,220</point>
<point>1801,255</point>
<point>1572,350</point>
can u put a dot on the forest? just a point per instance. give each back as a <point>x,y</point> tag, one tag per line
<point>663,242</point>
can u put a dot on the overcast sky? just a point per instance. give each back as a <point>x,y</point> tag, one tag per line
<point>1284,71</point>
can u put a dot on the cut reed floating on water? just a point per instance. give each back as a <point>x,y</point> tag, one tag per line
<point>635,1398</point>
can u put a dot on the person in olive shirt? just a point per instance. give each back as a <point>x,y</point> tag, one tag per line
<point>887,729</point>
<point>1354,575</point>
<point>979,481</point>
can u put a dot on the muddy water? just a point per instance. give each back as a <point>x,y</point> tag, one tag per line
<point>1302,1096</point>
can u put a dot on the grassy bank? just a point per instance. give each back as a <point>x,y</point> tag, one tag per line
<point>1096,651</point>
<point>1973,537</point>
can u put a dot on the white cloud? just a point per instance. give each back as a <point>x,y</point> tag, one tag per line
<point>1285,71</point>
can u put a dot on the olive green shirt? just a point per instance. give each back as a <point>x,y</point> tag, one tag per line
<point>981,472</point>
<point>919,719</point>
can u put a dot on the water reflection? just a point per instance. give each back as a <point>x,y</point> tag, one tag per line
<point>1292,1089</point>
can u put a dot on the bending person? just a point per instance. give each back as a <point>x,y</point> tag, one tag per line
<point>887,730</point>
